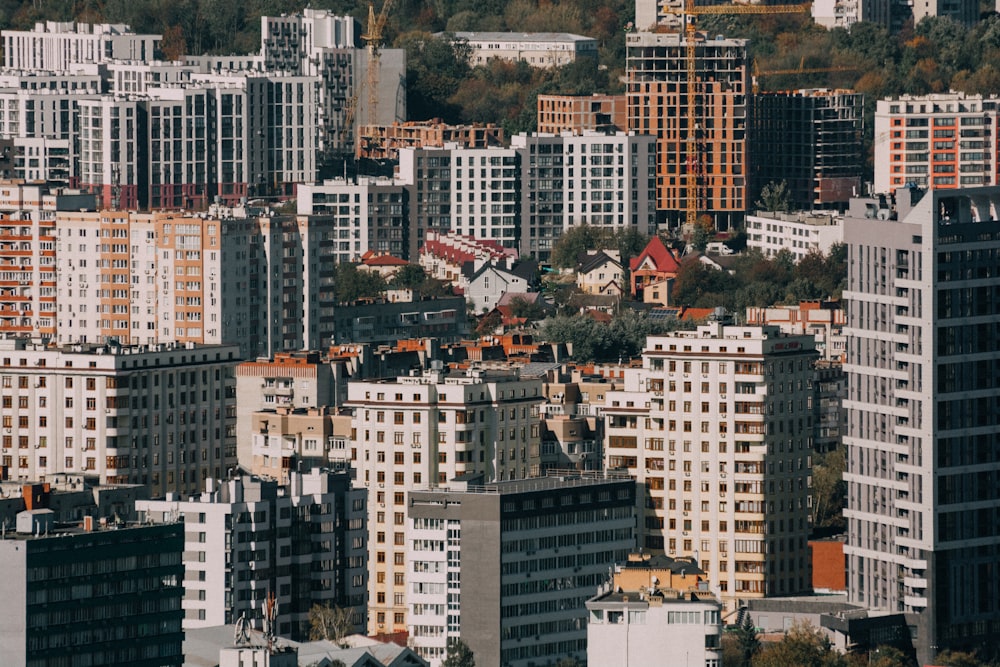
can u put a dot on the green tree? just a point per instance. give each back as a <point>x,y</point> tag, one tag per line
<point>331,623</point>
<point>529,310</point>
<point>747,641</point>
<point>351,284</point>
<point>411,276</point>
<point>774,197</point>
<point>958,659</point>
<point>459,655</point>
<point>435,68</point>
<point>888,656</point>
<point>489,323</point>
<point>829,490</point>
<point>803,646</point>
<point>574,241</point>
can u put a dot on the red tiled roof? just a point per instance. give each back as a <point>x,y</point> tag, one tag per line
<point>384,260</point>
<point>663,259</point>
<point>696,313</point>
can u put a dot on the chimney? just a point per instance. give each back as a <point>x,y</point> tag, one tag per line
<point>88,524</point>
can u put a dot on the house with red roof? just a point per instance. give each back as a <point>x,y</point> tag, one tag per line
<point>653,272</point>
<point>382,263</point>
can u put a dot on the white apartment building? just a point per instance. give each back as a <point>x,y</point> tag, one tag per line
<point>836,13</point>
<point>654,607</point>
<point>508,567</point>
<point>163,416</point>
<point>799,233</point>
<point>473,191</point>
<point>717,426</point>
<point>939,141</point>
<point>590,178</point>
<point>425,430</point>
<point>246,538</point>
<point>538,49</point>
<point>922,417</point>
<point>366,214</point>
<point>28,255</point>
<point>58,46</point>
<point>110,146</point>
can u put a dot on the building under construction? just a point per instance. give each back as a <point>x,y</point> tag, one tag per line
<point>715,173</point>
<point>819,132</point>
<point>382,142</point>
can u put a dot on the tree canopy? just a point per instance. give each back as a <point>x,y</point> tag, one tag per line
<point>622,338</point>
<point>803,646</point>
<point>459,655</point>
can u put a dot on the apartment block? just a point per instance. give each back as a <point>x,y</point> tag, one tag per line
<point>246,538</point>
<point>819,132</point>
<point>592,178</point>
<point>59,46</point>
<point>295,380</point>
<point>716,426</point>
<point>938,141</point>
<point>799,233</point>
<point>366,214</point>
<point>382,142</point>
<point>425,430</point>
<point>164,416</point>
<point>538,49</point>
<point>285,439</point>
<point>654,606</point>
<point>91,596</point>
<point>922,414</point>
<point>508,567</point>
<point>473,191</point>
<point>582,113</point>
<point>657,14</point>
<point>658,102</point>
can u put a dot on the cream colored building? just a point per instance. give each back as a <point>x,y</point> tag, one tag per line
<point>717,426</point>
<point>424,430</point>
<point>538,49</point>
<point>162,415</point>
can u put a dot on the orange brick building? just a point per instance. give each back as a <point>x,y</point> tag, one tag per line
<point>382,142</point>
<point>657,90</point>
<point>580,113</point>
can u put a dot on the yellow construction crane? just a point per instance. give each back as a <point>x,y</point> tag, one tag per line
<point>373,38</point>
<point>690,13</point>
<point>758,73</point>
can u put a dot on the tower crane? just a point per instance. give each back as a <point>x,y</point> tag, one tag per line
<point>373,38</point>
<point>691,12</point>
<point>759,73</point>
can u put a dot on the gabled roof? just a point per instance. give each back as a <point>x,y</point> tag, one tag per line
<point>529,297</point>
<point>382,260</point>
<point>657,256</point>
<point>598,259</point>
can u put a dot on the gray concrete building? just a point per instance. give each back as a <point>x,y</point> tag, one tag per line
<point>923,413</point>
<point>508,567</point>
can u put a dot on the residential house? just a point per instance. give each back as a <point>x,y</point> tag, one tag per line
<point>600,272</point>
<point>491,281</point>
<point>654,268</point>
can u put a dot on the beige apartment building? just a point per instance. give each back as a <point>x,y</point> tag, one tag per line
<point>420,431</point>
<point>717,426</point>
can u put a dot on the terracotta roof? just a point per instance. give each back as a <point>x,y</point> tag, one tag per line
<point>662,258</point>
<point>690,314</point>
<point>384,260</point>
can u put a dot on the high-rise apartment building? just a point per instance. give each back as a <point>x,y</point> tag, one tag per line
<point>508,567</point>
<point>58,46</point>
<point>582,113</point>
<point>425,430</point>
<point>164,416</point>
<point>716,176</point>
<point>91,596</point>
<point>605,180</point>
<point>819,132</point>
<point>938,141</point>
<point>717,428</point>
<point>366,214</point>
<point>922,413</point>
<point>246,538</point>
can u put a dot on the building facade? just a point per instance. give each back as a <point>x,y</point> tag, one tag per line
<point>658,104</point>
<point>164,416</point>
<point>507,567</point>
<point>538,49</point>
<point>921,414</point>
<point>654,606</point>
<point>799,233</point>
<point>717,429</point>
<point>100,597</point>
<point>819,132</point>
<point>939,141</point>
<point>582,113</point>
<point>425,430</point>
<point>246,538</point>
